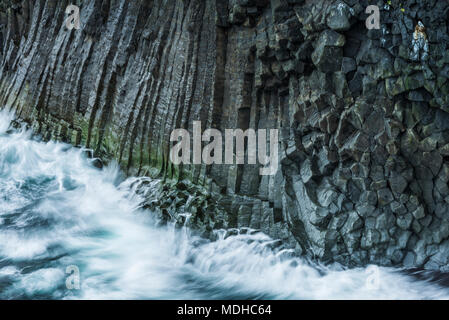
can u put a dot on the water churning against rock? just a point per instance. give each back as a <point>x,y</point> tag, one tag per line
<point>57,211</point>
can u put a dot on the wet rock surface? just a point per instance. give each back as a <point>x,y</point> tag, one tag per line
<point>363,114</point>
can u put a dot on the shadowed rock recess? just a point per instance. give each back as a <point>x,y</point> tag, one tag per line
<point>364,121</point>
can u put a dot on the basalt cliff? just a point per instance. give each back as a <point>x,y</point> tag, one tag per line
<point>363,114</point>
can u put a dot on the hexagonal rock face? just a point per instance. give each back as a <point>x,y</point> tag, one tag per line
<point>328,54</point>
<point>364,128</point>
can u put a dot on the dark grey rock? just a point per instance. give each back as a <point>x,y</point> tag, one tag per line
<point>397,183</point>
<point>327,59</point>
<point>384,196</point>
<point>348,65</point>
<point>339,16</point>
<point>404,222</point>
